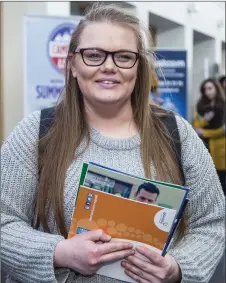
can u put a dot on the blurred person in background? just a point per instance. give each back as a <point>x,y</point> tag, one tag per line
<point>209,123</point>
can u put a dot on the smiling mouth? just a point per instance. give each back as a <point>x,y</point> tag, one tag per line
<point>107,83</point>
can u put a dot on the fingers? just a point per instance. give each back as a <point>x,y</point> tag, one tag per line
<point>115,256</point>
<point>153,256</point>
<point>137,274</point>
<point>143,266</point>
<point>159,267</point>
<point>114,246</point>
<point>96,236</point>
<point>103,237</point>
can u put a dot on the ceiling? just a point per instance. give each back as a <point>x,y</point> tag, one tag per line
<point>200,37</point>
<point>161,23</point>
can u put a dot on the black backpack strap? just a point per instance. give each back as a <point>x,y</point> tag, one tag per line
<point>46,121</point>
<point>170,123</point>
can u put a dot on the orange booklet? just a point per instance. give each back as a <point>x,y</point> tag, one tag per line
<point>122,218</point>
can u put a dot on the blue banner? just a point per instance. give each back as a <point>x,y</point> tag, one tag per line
<point>46,41</point>
<point>171,69</point>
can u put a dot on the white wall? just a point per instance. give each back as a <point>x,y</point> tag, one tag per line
<point>171,38</point>
<point>58,8</point>
<point>203,51</point>
<point>204,20</point>
<point>223,60</point>
<point>173,11</point>
<point>12,65</point>
<point>207,18</point>
<point>189,46</point>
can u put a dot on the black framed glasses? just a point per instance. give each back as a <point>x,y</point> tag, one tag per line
<point>95,57</point>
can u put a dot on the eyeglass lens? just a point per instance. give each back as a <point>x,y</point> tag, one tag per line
<point>95,57</point>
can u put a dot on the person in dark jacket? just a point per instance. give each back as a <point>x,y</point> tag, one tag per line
<point>209,123</point>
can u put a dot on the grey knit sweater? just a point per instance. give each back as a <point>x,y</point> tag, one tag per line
<point>27,254</point>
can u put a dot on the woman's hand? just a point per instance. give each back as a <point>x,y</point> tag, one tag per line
<point>159,270</point>
<point>86,252</point>
<point>209,115</point>
<point>199,131</point>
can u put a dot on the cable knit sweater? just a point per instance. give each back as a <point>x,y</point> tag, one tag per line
<point>27,254</point>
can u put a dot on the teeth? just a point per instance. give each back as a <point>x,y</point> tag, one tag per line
<point>107,82</point>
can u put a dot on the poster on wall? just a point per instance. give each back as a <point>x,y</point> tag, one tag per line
<point>171,70</point>
<point>46,41</point>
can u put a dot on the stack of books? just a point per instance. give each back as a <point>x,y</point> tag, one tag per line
<point>138,210</point>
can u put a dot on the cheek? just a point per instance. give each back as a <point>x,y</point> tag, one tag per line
<point>130,77</point>
<point>212,93</point>
<point>133,82</point>
<point>86,73</point>
<point>85,79</point>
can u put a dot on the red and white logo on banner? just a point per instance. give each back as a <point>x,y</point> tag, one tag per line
<point>58,45</point>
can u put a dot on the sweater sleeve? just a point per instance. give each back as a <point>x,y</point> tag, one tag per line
<point>199,122</point>
<point>26,254</point>
<point>214,133</point>
<point>204,240</point>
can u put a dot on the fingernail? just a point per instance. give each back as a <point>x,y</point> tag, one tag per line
<point>141,248</point>
<point>108,237</point>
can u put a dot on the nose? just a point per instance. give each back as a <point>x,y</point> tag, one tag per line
<point>109,64</point>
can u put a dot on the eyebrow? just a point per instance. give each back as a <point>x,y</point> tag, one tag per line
<point>119,50</point>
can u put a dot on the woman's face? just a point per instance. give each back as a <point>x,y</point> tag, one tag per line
<point>105,84</point>
<point>210,90</point>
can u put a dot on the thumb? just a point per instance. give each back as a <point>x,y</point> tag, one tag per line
<point>97,235</point>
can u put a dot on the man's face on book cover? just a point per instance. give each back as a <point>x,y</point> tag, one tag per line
<point>146,197</point>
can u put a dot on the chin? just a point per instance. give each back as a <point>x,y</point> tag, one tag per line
<point>107,101</point>
<point>108,98</point>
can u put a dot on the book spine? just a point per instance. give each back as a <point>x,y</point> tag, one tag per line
<point>83,174</point>
<point>174,227</point>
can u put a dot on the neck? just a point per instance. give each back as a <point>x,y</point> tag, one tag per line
<point>114,121</point>
<point>213,102</point>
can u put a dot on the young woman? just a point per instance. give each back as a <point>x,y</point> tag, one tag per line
<point>210,124</point>
<point>104,117</point>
